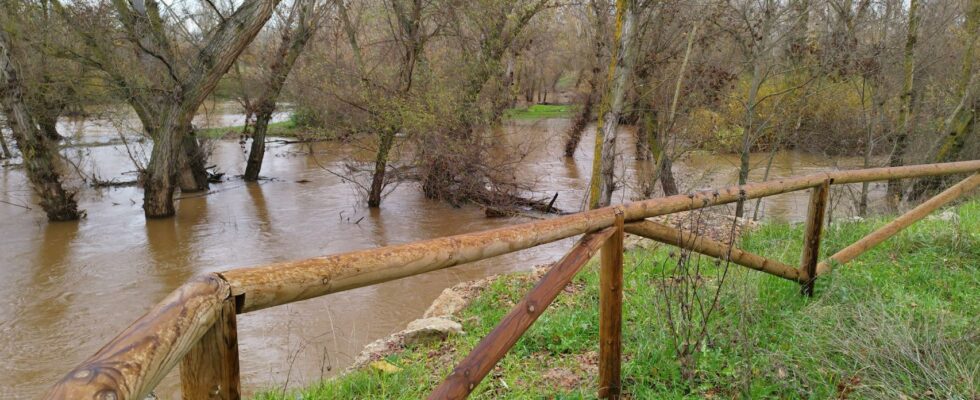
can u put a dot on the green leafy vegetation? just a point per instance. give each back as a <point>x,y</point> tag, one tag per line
<point>540,111</point>
<point>901,321</point>
<point>287,128</point>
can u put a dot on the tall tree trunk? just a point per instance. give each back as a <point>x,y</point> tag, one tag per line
<point>664,165</point>
<point>962,119</point>
<point>162,171</point>
<point>410,27</point>
<point>894,192</point>
<point>290,47</point>
<point>256,152</point>
<point>37,151</point>
<point>581,121</point>
<point>4,150</point>
<point>748,133</point>
<point>193,164</point>
<point>385,142</point>
<point>603,181</point>
<point>585,113</point>
<point>172,139</point>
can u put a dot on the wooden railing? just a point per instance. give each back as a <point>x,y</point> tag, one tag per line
<point>196,324</point>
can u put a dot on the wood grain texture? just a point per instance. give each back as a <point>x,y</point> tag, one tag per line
<point>210,369</point>
<point>875,238</point>
<point>134,362</point>
<point>719,250</point>
<point>495,345</point>
<point>611,313</point>
<point>811,236</point>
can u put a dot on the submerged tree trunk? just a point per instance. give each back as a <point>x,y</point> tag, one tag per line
<point>603,181</point>
<point>747,134</point>
<point>256,152</point>
<point>172,141</point>
<point>4,150</point>
<point>166,98</point>
<point>385,142</point>
<point>290,47</point>
<point>585,113</point>
<point>193,164</point>
<point>894,192</point>
<point>48,122</point>
<point>413,40</point>
<point>581,121</point>
<point>37,151</point>
<point>664,166</point>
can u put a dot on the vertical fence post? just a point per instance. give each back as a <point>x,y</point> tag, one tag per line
<point>611,312</point>
<point>210,368</point>
<point>811,239</point>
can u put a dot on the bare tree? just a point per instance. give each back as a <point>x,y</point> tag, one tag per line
<point>412,36</point>
<point>37,150</point>
<point>295,31</point>
<point>166,87</point>
<point>599,14</point>
<point>905,125</point>
<point>603,181</point>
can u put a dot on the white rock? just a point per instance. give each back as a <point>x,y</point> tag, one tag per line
<point>430,329</point>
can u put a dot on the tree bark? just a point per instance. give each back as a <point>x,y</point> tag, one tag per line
<point>48,122</point>
<point>747,134</point>
<point>256,152</point>
<point>603,181</point>
<point>3,147</point>
<point>962,119</point>
<point>171,142</point>
<point>413,40</point>
<point>599,8</point>
<point>37,151</point>
<point>193,164</point>
<point>581,121</point>
<point>385,142</point>
<point>292,45</point>
<point>894,192</point>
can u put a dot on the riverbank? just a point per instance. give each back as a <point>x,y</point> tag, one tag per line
<point>899,322</point>
<point>290,128</point>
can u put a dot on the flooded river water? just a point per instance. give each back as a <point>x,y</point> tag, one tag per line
<point>67,288</point>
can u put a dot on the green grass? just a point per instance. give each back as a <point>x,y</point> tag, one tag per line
<point>901,321</point>
<point>540,111</point>
<point>287,128</point>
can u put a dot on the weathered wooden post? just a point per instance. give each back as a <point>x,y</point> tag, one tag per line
<point>811,239</point>
<point>210,368</point>
<point>611,312</point>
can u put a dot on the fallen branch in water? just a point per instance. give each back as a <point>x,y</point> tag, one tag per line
<point>507,205</point>
<point>96,183</point>
<point>16,205</point>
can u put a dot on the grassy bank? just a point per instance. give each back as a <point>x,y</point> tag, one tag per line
<point>899,322</point>
<point>540,111</point>
<point>287,128</point>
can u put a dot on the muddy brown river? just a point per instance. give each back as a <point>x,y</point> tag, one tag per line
<point>67,288</point>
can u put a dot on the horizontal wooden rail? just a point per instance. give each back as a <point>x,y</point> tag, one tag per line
<point>286,282</point>
<point>495,345</point>
<point>698,243</point>
<point>135,360</point>
<point>875,238</point>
